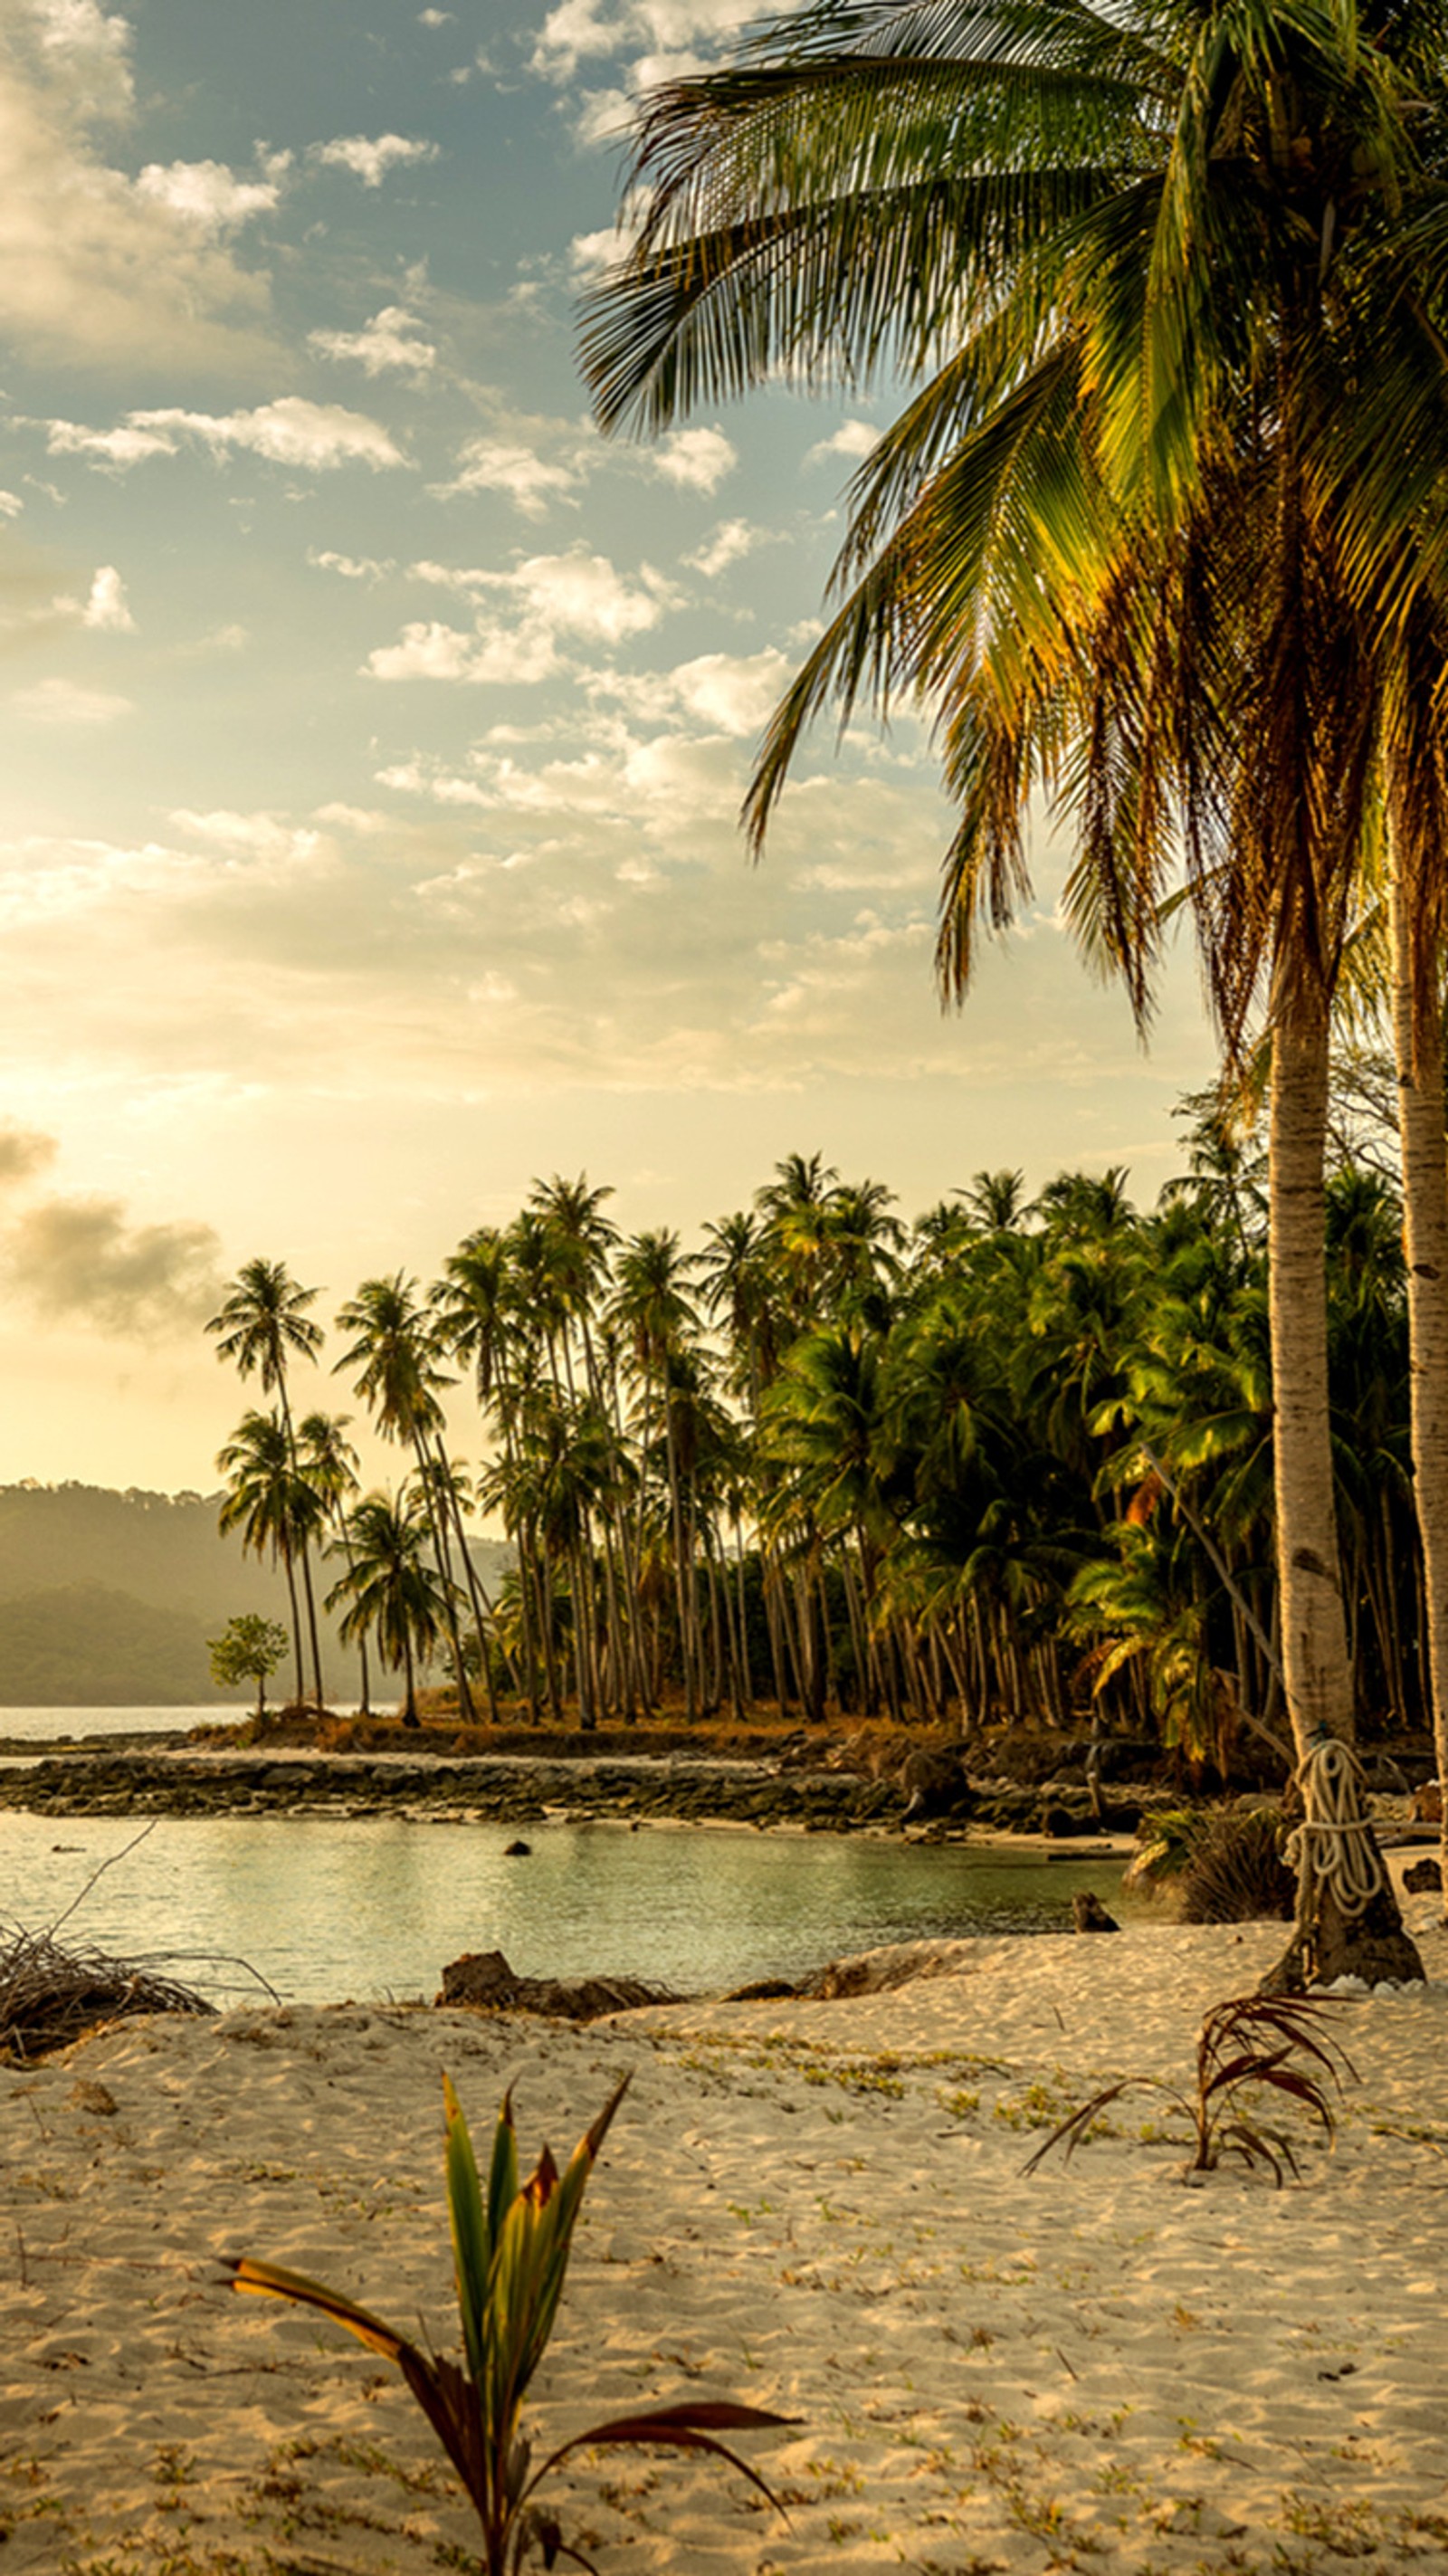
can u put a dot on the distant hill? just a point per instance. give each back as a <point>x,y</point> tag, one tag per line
<point>84,1646</point>
<point>107,1599</point>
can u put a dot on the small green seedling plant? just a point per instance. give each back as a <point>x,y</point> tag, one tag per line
<point>511,2245</point>
<point>1249,2046</point>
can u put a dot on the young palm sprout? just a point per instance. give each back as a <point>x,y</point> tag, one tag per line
<point>511,2244</point>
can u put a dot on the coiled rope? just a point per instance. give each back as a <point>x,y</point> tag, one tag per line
<point>1332,1849</point>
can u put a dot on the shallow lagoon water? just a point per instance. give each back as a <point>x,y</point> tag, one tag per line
<point>369,1907</point>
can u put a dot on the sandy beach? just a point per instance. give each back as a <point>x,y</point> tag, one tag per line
<point>816,2207</point>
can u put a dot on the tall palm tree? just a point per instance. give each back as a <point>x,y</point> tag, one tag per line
<point>389,1590</point>
<point>328,1462</point>
<point>656,1319</point>
<point>1164,284</point>
<point>394,1353</point>
<point>277,1510</point>
<point>1417,831</point>
<point>261,1324</point>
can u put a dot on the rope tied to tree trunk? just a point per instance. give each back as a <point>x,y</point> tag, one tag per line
<point>1332,1850</point>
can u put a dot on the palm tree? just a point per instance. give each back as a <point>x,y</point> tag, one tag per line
<point>1418,917</point>
<point>576,1245</point>
<point>826,1431</point>
<point>275,1508</point>
<point>328,1462</point>
<point>655,1318</point>
<point>261,1324</point>
<point>1164,281</point>
<point>997,1200</point>
<point>395,1354</point>
<point>481,1321</point>
<point>389,1590</point>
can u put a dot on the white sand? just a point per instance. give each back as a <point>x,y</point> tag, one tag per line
<point>815,2207</point>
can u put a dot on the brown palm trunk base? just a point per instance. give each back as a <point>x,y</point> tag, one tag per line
<point>1372,1945</point>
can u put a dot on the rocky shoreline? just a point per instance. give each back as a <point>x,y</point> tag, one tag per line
<point>516,1790</point>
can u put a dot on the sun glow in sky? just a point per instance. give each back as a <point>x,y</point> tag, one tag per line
<point>372,732</point>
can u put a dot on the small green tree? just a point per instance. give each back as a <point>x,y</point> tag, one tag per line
<point>249,1648</point>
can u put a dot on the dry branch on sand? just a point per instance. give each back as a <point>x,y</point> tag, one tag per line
<point>51,1993</point>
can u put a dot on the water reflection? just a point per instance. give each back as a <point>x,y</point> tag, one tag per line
<point>375,1906</point>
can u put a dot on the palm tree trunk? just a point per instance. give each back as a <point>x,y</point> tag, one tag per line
<point>550,1646</point>
<point>453,1509</point>
<point>682,1576</point>
<point>286,1556</point>
<point>527,1610</point>
<point>346,1546</point>
<point>1418,1037</point>
<point>770,1581</point>
<point>312,1636</point>
<point>746,1677</point>
<point>1315,1670</point>
<point>312,1632</point>
<point>440,1552</point>
<point>865,1666</point>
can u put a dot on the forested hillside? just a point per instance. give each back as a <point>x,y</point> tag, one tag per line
<point>107,1599</point>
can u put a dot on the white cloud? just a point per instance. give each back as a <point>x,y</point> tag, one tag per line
<point>93,265</point>
<point>388,344</point>
<point>11,505</point>
<point>263,839</point>
<point>587,30</point>
<point>61,702</point>
<point>27,613</point>
<point>725,693</point>
<point>80,44</point>
<point>107,608</point>
<point>370,157</point>
<point>734,693</point>
<point>697,459</point>
<point>350,567</point>
<point>728,544</point>
<point>291,431</point>
<point>589,254</point>
<point>522,617</point>
<point>206,193</point>
<point>359,819</point>
<point>604,117</point>
<point>435,18</point>
<point>120,448</point>
<point>577,593</point>
<point>530,481</point>
<point>428,650</point>
<point>854,440</point>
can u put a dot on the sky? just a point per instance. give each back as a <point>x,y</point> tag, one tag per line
<point>373,732</point>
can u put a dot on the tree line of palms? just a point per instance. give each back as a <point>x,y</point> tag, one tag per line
<point>1008,1462</point>
<point>1160,529</point>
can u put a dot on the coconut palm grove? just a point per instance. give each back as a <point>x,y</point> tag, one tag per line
<point>1156,540</point>
<point>1010,1461</point>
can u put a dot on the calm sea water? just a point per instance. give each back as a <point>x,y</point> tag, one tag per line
<point>56,1725</point>
<point>326,1909</point>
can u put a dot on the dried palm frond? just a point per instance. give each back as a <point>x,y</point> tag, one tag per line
<point>52,1993</point>
<point>1249,2044</point>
